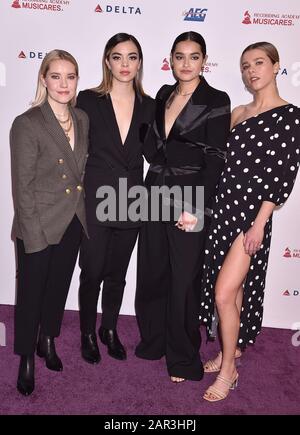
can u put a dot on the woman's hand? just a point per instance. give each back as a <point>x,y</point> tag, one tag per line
<point>186,221</point>
<point>253,239</point>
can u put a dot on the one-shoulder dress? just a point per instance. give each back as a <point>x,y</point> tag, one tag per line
<point>263,156</point>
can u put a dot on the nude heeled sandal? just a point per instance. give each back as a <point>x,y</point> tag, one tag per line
<point>213,394</point>
<point>212,367</point>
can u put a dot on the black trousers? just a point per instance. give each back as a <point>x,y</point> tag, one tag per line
<point>168,297</point>
<point>43,281</point>
<point>104,257</point>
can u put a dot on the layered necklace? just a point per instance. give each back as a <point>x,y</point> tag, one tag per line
<point>65,124</point>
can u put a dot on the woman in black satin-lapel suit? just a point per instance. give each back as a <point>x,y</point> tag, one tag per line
<point>190,129</point>
<point>119,114</point>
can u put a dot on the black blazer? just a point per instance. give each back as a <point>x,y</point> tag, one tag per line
<point>194,152</point>
<point>109,159</point>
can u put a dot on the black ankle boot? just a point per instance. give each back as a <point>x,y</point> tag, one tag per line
<point>89,348</point>
<point>110,338</point>
<point>25,383</point>
<point>46,349</point>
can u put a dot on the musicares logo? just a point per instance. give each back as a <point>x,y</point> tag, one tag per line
<point>208,67</point>
<point>44,5</point>
<point>270,19</point>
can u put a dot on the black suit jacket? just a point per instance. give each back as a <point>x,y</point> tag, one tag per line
<point>194,152</point>
<point>109,159</point>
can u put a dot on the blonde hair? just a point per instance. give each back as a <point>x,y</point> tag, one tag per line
<point>106,84</point>
<point>41,90</point>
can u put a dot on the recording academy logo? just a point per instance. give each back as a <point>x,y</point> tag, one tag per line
<point>32,55</point>
<point>118,9</point>
<point>42,5</point>
<point>16,4</point>
<point>270,19</point>
<point>208,67</point>
<point>291,253</point>
<point>195,14</point>
<point>165,65</point>
<point>291,293</point>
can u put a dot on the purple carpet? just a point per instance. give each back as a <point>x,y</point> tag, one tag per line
<point>269,379</point>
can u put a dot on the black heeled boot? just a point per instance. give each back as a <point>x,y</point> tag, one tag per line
<point>25,383</point>
<point>110,338</point>
<point>46,349</point>
<point>89,348</point>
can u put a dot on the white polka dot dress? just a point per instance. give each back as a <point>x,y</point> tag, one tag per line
<point>262,162</point>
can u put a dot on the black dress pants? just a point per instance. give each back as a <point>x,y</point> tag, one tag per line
<point>168,297</point>
<point>43,281</point>
<point>104,257</point>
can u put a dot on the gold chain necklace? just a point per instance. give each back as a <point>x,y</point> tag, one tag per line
<point>66,128</point>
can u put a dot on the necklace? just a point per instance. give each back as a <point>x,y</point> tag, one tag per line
<point>177,90</point>
<point>66,128</point>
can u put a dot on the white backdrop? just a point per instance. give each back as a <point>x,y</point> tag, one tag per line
<point>31,28</point>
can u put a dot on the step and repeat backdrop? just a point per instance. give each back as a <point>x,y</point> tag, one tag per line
<point>29,29</point>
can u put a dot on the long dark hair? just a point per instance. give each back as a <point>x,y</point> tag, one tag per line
<point>190,36</point>
<point>106,83</point>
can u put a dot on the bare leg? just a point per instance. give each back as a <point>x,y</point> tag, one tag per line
<point>214,365</point>
<point>228,301</point>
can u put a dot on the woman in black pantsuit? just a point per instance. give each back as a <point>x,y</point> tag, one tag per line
<point>190,130</point>
<point>119,114</point>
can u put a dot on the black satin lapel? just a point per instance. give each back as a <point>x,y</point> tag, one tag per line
<point>53,127</point>
<point>190,118</point>
<point>160,119</point>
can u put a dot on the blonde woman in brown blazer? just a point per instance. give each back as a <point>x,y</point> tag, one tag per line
<point>48,153</point>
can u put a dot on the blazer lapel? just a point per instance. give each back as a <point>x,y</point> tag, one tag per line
<point>79,146</point>
<point>132,145</point>
<point>53,127</point>
<point>106,108</point>
<point>160,113</point>
<point>191,116</point>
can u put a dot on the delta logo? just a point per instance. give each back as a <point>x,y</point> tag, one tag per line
<point>42,5</point>
<point>270,19</point>
<point>291,293</point>
<point>291,253</point>
<point>31,55</point>
<point>117,9</point>
<point>194,14</point>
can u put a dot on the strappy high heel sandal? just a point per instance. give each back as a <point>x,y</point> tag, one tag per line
<point>213,394</point>
<point>212,367</point>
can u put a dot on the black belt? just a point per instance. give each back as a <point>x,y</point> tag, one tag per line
<point>170,170</point>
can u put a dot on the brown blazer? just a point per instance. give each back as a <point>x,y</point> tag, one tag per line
<point>46,176</point>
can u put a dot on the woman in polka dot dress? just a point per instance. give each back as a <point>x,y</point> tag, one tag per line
<point>260,171</point>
